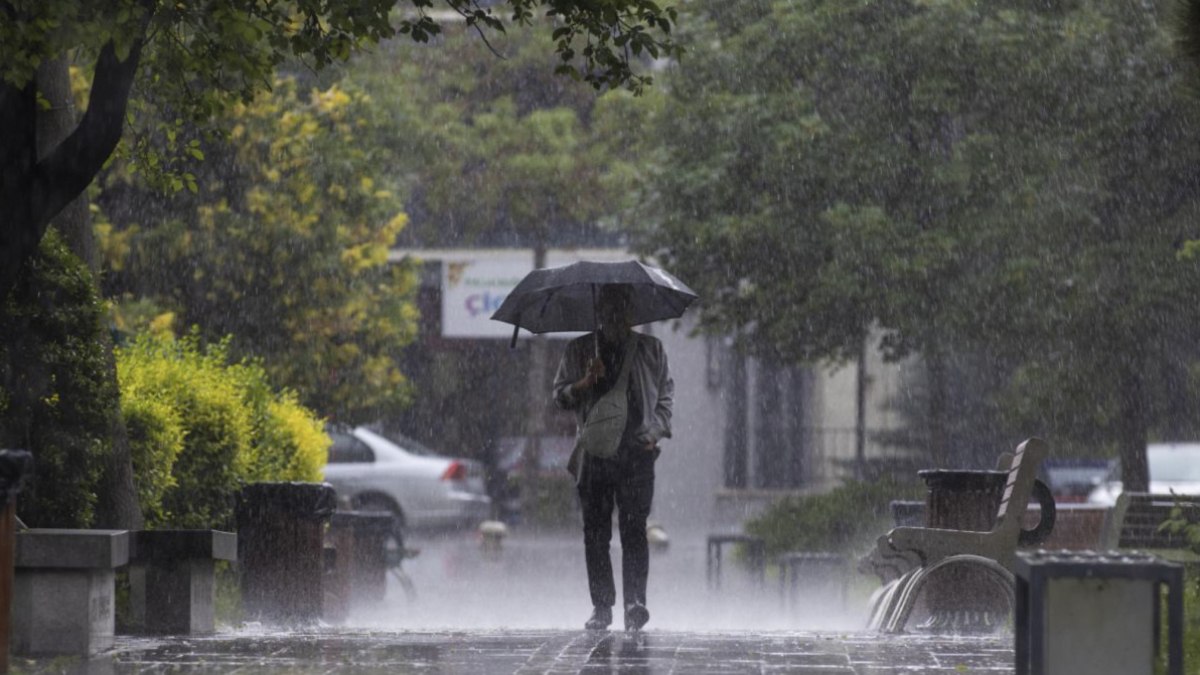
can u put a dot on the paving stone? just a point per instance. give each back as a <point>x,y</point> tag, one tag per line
<point>334,652</point>
<point>692,631</point>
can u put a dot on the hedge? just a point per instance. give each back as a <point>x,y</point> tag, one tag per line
<point>843,520</point>
<point>202,427</point>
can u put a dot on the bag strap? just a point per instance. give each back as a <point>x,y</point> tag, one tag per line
<point>626,363</point>
<point>621,386</point>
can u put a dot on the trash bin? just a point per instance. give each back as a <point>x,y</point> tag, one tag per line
<point>1089,612</point>
<point>962,500</point>
<point>280,548</point>
<point>360,538</point>
<point>15,466</point>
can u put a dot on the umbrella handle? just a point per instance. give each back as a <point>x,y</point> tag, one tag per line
<point>596,319</point>
<point>513,343</point>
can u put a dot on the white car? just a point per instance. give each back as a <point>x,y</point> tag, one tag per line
<point>1174,467</point>
<point>424,490</point>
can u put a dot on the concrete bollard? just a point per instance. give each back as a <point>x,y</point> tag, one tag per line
<point>172,580</point>
<point>64,592</point>
<point>491,538</point>
<point>656,537</point>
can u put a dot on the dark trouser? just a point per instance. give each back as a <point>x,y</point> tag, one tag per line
<point>629,485</point>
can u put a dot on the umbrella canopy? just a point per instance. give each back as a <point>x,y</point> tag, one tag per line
<point>557,299</point>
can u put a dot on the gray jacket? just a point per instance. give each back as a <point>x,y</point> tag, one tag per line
<point>648,372</point>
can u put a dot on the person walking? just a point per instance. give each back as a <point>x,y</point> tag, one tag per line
<point>613,463</point>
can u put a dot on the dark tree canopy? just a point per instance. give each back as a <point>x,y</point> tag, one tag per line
<point>1002,179</point>
<point>194,59</point>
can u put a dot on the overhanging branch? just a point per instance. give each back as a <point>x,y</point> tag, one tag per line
<point>67,170</point>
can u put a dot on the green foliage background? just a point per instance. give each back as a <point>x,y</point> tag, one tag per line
<point>55,398</point>
<point>283,246</point>
<point>844,520</point>
<point>996,181</point>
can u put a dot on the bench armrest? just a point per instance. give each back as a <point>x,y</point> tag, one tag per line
<point>933,544</point>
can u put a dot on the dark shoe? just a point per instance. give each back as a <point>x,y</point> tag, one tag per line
<point>636,616</point>
<point>600,619</point>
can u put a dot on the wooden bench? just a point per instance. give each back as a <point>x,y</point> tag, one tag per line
<point>913,554</point>
<point>1137,522</point>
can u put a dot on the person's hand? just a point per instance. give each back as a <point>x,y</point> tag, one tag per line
<point>647,441</point>
<point>595,371</point>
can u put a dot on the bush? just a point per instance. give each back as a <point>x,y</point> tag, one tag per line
<point>179,381</point>
<point>156,432</point>
<point>849,517</point>
<point>56,397</point>
<point>294,439</point>
<point>554,506</point>
<point>201,428</point>
<point>288,442</point>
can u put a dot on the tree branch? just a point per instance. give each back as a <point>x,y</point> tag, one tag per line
<point>67,170</point>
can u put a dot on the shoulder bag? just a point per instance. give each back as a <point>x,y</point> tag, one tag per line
<point>600,435</point>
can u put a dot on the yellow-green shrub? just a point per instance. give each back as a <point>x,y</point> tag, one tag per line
<point>292,443</point>
<point>231,428</point>
<point>185,382</point>
<point>156,432</point>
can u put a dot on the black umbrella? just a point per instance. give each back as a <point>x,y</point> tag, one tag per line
<point>558,299</point>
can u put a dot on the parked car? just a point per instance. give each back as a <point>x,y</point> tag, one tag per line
<point>1073,479</point>
<point>423,489</point>
<point>1174,467</point>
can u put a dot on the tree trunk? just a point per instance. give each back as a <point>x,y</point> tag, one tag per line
<point>117,506</point>
<point>860,412</point>
<point>939,446</point>
<point>39,179</point>
<point>53,125</point>
<point>1132,430</point>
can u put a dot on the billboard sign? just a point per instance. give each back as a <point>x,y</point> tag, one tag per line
<point>475,282</point>
<point>472,290</point>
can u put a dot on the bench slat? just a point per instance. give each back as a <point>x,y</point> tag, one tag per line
<point>1140,518</point>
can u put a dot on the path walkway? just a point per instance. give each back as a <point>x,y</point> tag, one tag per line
<point>522,614</point>
<point>537,652</point>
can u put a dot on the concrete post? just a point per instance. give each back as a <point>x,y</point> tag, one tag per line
<point>64,595</point>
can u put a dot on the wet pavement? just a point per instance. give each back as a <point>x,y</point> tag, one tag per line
<point>530,652</point>
<point>521,613</point>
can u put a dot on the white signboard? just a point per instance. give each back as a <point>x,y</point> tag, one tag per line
<point>476,281</point>
<point>472,290</point>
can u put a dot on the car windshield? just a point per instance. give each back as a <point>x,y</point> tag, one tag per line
<point>1178,463</point>
<point>1075,473</point>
